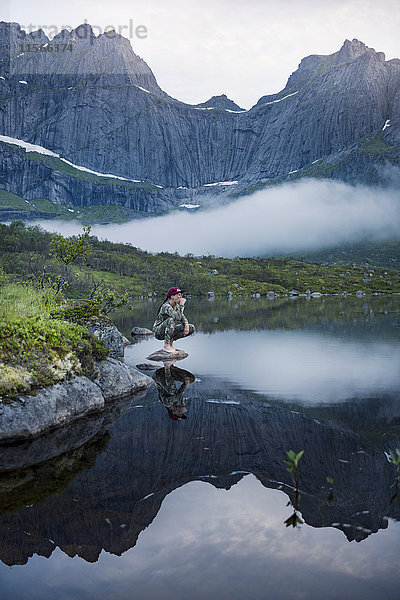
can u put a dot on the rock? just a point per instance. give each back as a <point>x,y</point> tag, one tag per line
<point>162,355</point>
<point>126,342</point>
<point>316,295</point>
<point>221,101</point>
<point>111,336</point>
<point>118,380</point>
<point>140,331</point>
<point>272,295</point>
<point>52,406</point>
<point>147,367</point>
<point>64,402</point>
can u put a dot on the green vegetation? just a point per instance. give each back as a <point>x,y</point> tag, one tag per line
<point>36,350</point>
<point>40,343</point>
<point>68,250</point>
<point>382,254</point>
<point>78,313</point>
<point>395,460</point>
<point>14,207</point>
<point>292,463</point>
<point>24,251</point>
<point>43,341</point>
<point>292,466</point>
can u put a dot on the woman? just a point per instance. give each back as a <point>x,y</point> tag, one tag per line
<point>171,324</point>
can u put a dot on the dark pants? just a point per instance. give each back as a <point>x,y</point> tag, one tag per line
<point>169,330</point>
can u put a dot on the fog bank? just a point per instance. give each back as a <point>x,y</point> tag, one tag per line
<point>287,218</point>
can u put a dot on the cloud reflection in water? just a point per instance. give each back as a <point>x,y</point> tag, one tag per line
<point>293,365</point>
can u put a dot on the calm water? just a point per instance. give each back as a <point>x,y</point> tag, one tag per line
<point>134,504</point>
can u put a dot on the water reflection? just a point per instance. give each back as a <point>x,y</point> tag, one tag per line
<point>121,472</point>
<point>376,318</point>
<point>228,435</point>
<point>170,395</point>
<point>306,367</point>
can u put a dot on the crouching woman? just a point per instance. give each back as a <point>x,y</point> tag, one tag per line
<point>171,324</point>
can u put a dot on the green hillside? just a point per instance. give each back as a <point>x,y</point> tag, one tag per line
<point>24,251</point>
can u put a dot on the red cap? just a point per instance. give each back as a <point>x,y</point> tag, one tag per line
<point>173,291</point>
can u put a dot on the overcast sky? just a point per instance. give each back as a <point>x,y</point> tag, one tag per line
<point>246,49</point>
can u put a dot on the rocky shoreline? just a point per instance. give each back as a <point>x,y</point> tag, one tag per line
<point>32,415</point>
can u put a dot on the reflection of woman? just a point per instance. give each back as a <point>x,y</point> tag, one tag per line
<point>171,324</point>
<point>169,395</point>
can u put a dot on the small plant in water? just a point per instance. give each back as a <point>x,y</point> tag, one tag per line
<point>395,460</point>
<point>292,463</point>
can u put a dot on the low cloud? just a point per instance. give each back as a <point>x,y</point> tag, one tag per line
<point>291,217</point>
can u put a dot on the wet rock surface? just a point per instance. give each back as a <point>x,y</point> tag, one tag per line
<point>118,380</point>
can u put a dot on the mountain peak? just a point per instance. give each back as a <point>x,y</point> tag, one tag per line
<point>350,50</point>
<point>79,53</point>
<point>221,101</point>
<point>353,49</point>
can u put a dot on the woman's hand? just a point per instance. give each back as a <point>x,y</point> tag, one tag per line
<point>182,301</point>
<point>186,329</point>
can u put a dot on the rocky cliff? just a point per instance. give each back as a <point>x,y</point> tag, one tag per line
<point>91,101</point>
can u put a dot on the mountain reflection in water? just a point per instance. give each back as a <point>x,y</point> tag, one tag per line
<point>103,494</point>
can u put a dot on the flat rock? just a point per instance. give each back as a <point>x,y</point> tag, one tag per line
<point>141,331</point>
<point>162,355</point>
<point>147,367</point>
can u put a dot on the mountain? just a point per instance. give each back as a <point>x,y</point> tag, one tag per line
<point>104,133</point>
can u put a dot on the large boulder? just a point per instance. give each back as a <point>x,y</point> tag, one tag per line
<point>118,380</point>
<point>50,407</point>
<point>61,403</point>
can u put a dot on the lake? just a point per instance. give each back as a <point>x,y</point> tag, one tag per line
<point>139,503</point>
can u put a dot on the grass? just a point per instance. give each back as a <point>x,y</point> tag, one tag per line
<point>17,300</point>
<point>15,206</point>
<point>10,202</point>
<point>37,350</point>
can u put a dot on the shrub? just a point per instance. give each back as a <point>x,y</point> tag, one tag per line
<point>48,350</point>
